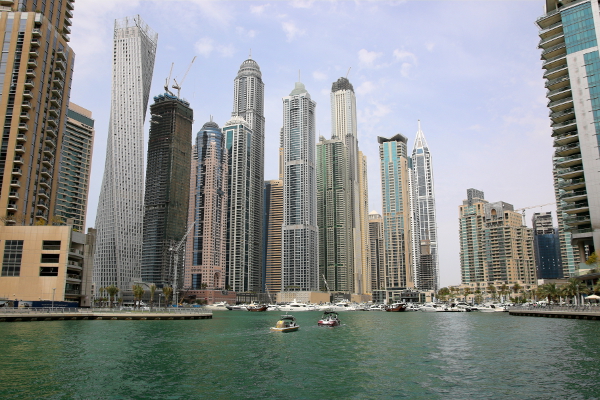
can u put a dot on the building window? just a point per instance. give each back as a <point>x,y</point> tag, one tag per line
<point>50,258</point>
<point>196,281</point>
<point>48,271</point>
<point>51,245</point>
<point>13,253</point>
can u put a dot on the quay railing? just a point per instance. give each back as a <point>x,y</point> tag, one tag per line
<point>595,308</point>
<point>66,310</point>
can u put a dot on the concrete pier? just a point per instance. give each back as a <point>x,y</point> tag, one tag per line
<point>72,314</point>
<point>576,312</point>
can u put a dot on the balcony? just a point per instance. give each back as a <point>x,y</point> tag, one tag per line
<point>572,184</point>
<point>69,13</point>
<point>68,22</point>
<point>56,92</point>
<point>28,83</point>
<point>21,138</point>
<point>52,122</point>
<point>59,74</point>
<point>50,142</point>
<point>60,55</point>
<point>552,40</point>
<point>35,43</point>
<point>569,161</point>
<point>48,151</point>
<point>54,111</point>
<point>32,63</point>
<point>561,127</point>
<point>73,278</point>
<point>576,220</point>
<point>33,53</point>
<point>574,196</point>
<point>548,19</point>
<point>554,61</point>
<point>43,194</point>
<point>560,93</point>
<point>15,183</point>
<point>58,83</point>
<point>560,104</point>
<point>13,195</point>
<point>24,116</point>
<point>23,126</point>
<point>563,115</point>
<point>75,266</point>
<point>42,215</point>
<point>45,183</point>
<point>27,94</point>
<point>25,105</point>
<point>19,160</point>
<point>558,82</point>
<point>20,149</point>
<point>567,150</point>
<point>12,207</point>
<point>551,30</point>
<point>36,32</point>
<point>555,72</point>
<point>554,51</point>
<point>51,133</point>
<point>70,5</point>
<point>17,171</point>
<point>42,205</point>
<point>46,173</point>
<point>47,161</point>
<point>30,73</point>
<point>66,30</point>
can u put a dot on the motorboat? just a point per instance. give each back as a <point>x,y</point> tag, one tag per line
<point>286,323</point>
<point>236,307</point>
<point>341,306</point>
<point>222,305</point>
<point>492,308</point>
<point>412,307</point>
<point>377,307</point>
<point>295,306</point>
<point>329,318</point>
<point>257,307</point>
<point>396,307</point>
<point>431,307</point>
<point>272,307</point>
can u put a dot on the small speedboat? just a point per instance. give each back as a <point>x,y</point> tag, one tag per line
<point>286,323</point>
<point>236,307</point>
<point>329,318</point>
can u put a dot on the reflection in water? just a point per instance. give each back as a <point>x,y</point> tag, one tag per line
<point>372,355</point>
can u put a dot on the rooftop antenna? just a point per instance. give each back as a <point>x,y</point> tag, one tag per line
<point>348,72</point>
<point>211,119</point>
<point>177,86</point>
<point>168,80</point>
<point>299,80</point>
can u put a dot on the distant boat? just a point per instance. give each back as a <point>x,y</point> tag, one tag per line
<point>396,307</point>
<point>236,308</point>
<point>329,318</point>
<point>286,323</point>
<point>295,306</point>
<point>257,308</point>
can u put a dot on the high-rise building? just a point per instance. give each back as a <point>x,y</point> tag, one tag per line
<point>427,274</point>
<point>120,215</point>
<point>273,220</point>
<point>344,129</point>
<point>546,246</point>
<point>36,69</point>
<point>242,275</point>
<point>494,244</point>
<point>571,60</point>
<point>300,265</point>
<point>75,167</point>
<point>376,257</point>
<point>569,253</point>
<point>206,255</point>
<point>167,190</point>
<point>472,240</point>
<point>334,216</point>
<point>248,103</point>
<point>397,216</point>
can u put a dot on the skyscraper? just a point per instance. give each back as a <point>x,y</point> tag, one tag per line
<point>243,274</point>
<point>571,61</point>
<point>427,275</point>
<point>36,69</point>
<point>397,216</point>
<point>206,252</point>
<point>376,257</point>
<point>120,215</point>
<point>472,240</point>
<point>300,266</point>
<point>75,166</point>
<point>334,216</point>
<point>546,246</point>
<point>273,221</point>
<point>248,103</point>
<point>167,189</point>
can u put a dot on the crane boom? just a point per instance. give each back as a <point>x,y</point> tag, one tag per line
<point>177,86</point>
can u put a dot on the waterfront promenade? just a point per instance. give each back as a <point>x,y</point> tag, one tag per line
<point>64,314</point>
<point>553,311</point>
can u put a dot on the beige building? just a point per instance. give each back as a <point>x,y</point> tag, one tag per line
<point>272,242</point>
<point>52,263</point>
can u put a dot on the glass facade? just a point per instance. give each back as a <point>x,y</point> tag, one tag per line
<point>578,27</point>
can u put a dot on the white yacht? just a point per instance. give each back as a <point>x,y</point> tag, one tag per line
<point>222,305</point>
<point>295,306</point>
<point>431,307</point>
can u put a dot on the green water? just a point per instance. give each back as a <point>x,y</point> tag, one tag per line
<point>374,355</point>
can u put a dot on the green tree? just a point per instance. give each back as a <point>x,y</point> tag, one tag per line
<point>504,291</point>
<point>467,291</point>
<point>102,290</point>
<point>152,291</point>
<point>516,288</point>
<point>168,292</point>
<point>138,294</point>
<point>574,288</point>
<point>597,287</point>
<point>112,291</point>
<point>593,261</point>
<point>492,290</point>
<point>443,293</point>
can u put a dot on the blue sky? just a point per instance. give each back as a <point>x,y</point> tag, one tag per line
<point>469,70</point>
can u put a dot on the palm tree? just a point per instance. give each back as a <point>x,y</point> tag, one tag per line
<point>550,291</point>
<point>573,288</point>
<point>152,291</point>
<point>597,287</point>
<point>443,293</point>
<point>102,290</point>
<point>168,292</point>
<point>478,296</point>
<point>138,294</point>
<point>466,292</point>
<point>503,291</point>
<point>112,291</point>
<point>516,288</point>
<point>492,290</point>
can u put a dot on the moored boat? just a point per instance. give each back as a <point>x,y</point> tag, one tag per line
<point>329,318</point>
<point>236,307</point>
<point>396,307</point>
<point>287,323</point>
<point>257,307</point>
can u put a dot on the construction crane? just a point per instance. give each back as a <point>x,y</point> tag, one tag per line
<point>177,86</point>
<point>174,249</point>
<point>168,81</point>
<point>522,210</point>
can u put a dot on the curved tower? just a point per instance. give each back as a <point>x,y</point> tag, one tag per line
<point>244,250</point>
<point>120,213</point>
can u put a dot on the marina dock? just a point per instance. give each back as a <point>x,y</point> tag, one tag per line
<point>569,312</point>
<point>97,314</point>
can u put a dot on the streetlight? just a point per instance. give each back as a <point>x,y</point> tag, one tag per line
<point>53,290</point>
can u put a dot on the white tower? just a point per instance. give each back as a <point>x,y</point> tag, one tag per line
<point>120,215</point>
<point>300,233</point>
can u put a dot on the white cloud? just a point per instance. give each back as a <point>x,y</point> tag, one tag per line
<point>205,46</point>
<point>258,10</point>
<point>429,46</point>
<point>365,87</point>
<point>291,30</point>
<point>302,3</point>
<point>405,69</point>
<point>367,58</point>
<point>401,55</point>
<point>319,76</point>
<point>246,33</point>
